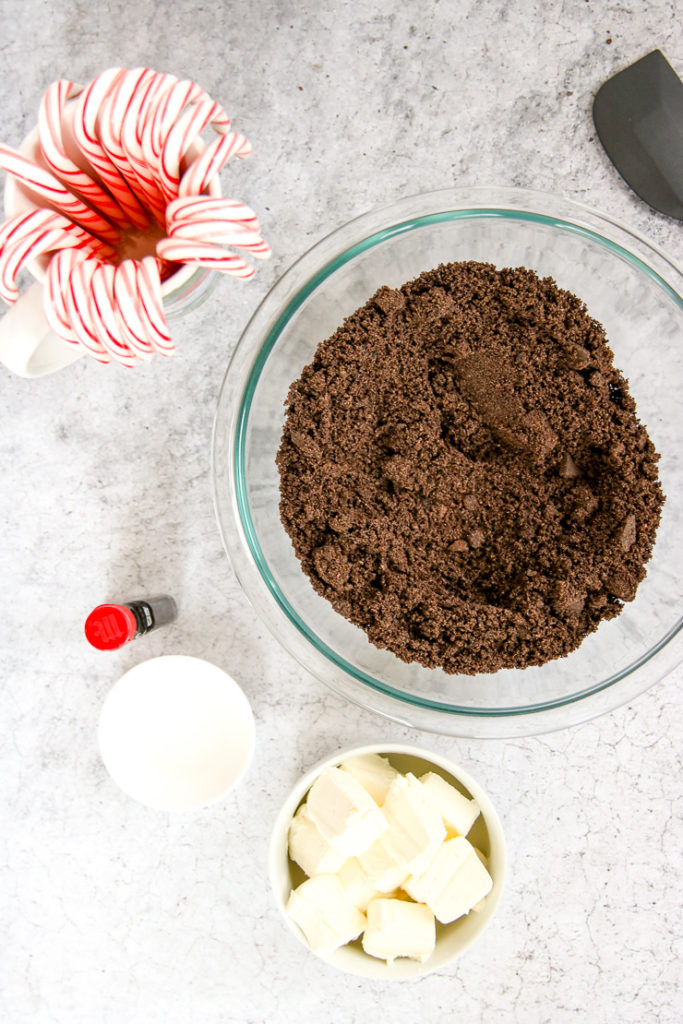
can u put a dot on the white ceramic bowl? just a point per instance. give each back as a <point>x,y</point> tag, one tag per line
<point>176,733</point>
<point>452,939</point>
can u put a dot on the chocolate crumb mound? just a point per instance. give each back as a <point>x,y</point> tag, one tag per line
<point>463,474</point>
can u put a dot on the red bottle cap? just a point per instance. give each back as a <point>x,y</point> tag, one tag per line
<point>110,626</point>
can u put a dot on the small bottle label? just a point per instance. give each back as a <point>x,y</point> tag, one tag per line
<point>146,613</point>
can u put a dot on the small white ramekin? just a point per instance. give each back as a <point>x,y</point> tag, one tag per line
<point>452,939</point>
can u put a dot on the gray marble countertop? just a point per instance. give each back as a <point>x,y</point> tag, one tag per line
<point>113,913</point>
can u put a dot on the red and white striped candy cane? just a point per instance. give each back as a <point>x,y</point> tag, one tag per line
<point>50,134</point>
<point>44,184</point>
<point>119,110</point>
<point>132,126</point>
<point>86,135</point>
<point>204,208</point>
<point>150,152</point>
<point>112,113</point>
<point>25,223</point>
<point>77,303</point>
<point>204,255</point>
<point>218,233</point>
<point>103,315</point>
<point>207,165</point>
<point>168,109</point>
<point>171,104</point>
<point>151,305</point>
<point>138,116</point>
<point>133,330</point>
<point>21,248</point>
<point>54,296</point>
<point>14,255</point>
<point>181,135</point>
<point>29,220</point>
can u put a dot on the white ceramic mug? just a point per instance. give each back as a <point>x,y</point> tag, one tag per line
<point>28,347</point>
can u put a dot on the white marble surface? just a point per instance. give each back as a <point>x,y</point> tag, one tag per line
<point>112,913</point>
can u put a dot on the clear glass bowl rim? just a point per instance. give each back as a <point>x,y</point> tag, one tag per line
<point>252,350</point>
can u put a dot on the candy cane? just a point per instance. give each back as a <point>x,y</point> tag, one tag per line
<point>112,112</point>
<point>168,109</point>
<point>151,305</point>
<point>181,135</point>
<point>210,256</point>
<point>50,134</point>
<point>18,229</point>
<point>28,247</point>
<point>172,102</point>
<point>44,184</point>
<point>86,135</point>
<point>210,208</point>
<point>119,109</point>
<point>15,255</point>
<point>126,303</point>
<point>77,303</point>
<point>23,223</point>
<point>150,150</point>
<point>216,233</point>
<point>103,315</point>
<point>132,130</point>
<point>54,296</point>
<point>204,168</point>
<point>15,225</point>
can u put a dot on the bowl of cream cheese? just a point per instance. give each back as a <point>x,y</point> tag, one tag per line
<point>387,861</point>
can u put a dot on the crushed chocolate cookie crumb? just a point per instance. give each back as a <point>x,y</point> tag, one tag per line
<point>463,474</point>
<point>458,546</point>
<point>568,467</point>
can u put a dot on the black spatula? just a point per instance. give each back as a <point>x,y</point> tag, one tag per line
<point>639,117</point>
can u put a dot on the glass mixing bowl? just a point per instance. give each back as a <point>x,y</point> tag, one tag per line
<point>632,288</point>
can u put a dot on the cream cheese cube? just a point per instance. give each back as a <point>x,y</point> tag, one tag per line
<point>478,906</point>
<point>325,914</point>
<point>386,868</point>
<point>397,928</point>
<point>428,886</point>
<point>345,814</point>
<point>356,883</point>
<point>454,883</point>
<point>416,830</point>
<point>309,849</point>
<point>458,813</point>
<point>374,773</point>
